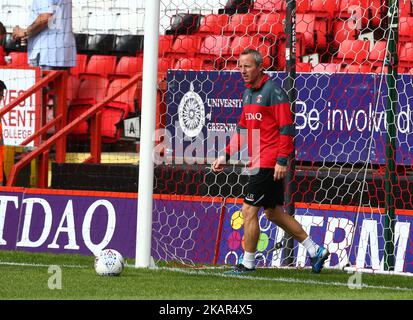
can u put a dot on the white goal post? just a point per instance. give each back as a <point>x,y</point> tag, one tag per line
<point>146,165</point>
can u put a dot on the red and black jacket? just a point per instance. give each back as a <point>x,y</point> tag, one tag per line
<point>266,111</point>
<point>2,56</point>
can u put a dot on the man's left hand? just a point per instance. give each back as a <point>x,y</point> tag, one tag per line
<point>280,172</point>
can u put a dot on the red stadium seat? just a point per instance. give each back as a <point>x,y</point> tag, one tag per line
<point>378,53</point>
<point>303,6</point>
<point>194,63</point>
<point>127,67</point>
<point>270,23</point>
<point>354,9</point>
<point>165,44</point>
<point>82,129</point>
<point>384,70</point>
<point>364,12</point>
<point>213,24</point>
<point>241,24</point>
<point>80,65</point>
<point>357,68</point>
<point>376,12</point>
<point>406,55</point>
<point>344,30</point>
<point>112,119</point>
<point>261,6</point>
<point>117,110</point>
<point>90,92</point>
<point>353,51</point>
<point>186,45</point>
<point>327,68</point>
<point>214,48</point>
<point>164,64</point>
<point>73,84</point>
<point>405,29</point>
<point>304,67</point>
<point>215,45</point>
<point>126,101</point>
<point>324,7</point>
<point>405,8</point>
<point>18,60</point>
<point>305,26</point>
<point>322,29</point>
<point>100,66</point>
<point>230,65</point>
<point>241,43</point>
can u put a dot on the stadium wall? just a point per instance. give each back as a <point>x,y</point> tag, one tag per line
<point>82,222</point>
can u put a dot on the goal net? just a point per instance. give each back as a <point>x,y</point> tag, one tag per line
<point>347,67</point>
<point>349,183</point>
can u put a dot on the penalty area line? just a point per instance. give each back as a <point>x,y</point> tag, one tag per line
<point>285,280</point>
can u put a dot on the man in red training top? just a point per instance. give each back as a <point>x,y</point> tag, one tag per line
<point>266,108</point>
<point>2,36</point>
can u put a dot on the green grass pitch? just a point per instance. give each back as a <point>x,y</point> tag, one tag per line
<point>25,276</point>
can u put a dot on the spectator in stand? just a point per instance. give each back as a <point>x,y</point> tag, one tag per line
<point>2,36</point>
<point>50,39</point>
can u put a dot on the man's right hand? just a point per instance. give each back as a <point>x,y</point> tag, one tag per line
<point>218,164</point>
<point>18,33</point>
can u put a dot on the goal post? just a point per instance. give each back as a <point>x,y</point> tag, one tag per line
<point>146,163</point>
<point>291,56</point>
<point>391,136</point>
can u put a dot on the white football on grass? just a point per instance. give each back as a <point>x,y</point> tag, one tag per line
<point>109,263</point>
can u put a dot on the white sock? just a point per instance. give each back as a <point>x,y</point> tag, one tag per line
<point>249,260</point>
<point>310,246</point>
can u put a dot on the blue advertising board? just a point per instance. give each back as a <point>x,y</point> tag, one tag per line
<point>339,117</point>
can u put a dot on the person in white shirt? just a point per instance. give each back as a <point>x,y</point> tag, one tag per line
<point>50,39</point>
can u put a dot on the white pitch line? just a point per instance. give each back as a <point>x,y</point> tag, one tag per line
<point>22,264</point>
<point>203,273</point>
<point>287,280</point>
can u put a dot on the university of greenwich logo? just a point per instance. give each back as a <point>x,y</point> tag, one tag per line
<point>191,113</point>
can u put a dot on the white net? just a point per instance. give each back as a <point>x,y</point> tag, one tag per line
<point>339,185</point>
<point>350,183</point>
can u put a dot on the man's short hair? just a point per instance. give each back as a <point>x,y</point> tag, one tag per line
<point>3,30</point>
<point>255,54</point>
<point>2,85</point>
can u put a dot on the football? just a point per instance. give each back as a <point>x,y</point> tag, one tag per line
<point>109,263</point>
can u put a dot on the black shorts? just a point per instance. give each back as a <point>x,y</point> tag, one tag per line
<point>263,191</point>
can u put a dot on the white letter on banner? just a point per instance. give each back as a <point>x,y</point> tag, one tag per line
<point>25,241</point>
<point>368,232</point>
<point>306,222</point>
<point>300,113</point>
<point>3,208</point>
<point>401,237</point>
<point>69,229</point>
<point>339,247</point>
<point>110,228</point>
